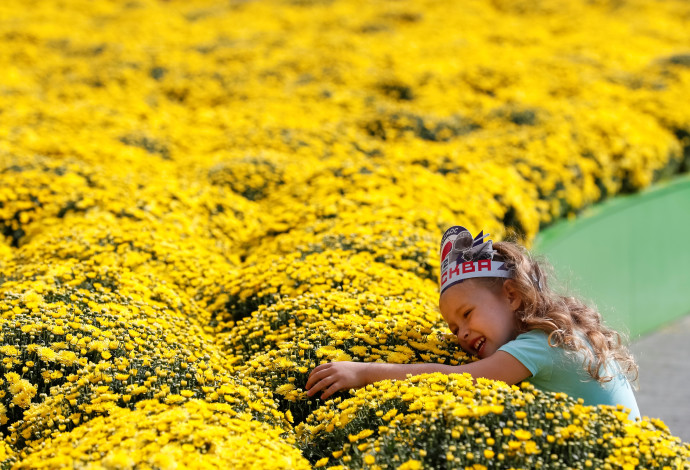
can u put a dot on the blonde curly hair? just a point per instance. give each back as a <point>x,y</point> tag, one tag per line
<point>565,318</point>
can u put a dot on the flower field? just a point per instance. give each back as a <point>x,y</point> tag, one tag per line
<point>202,200</point>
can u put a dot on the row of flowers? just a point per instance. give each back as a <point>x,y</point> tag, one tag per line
<point>439,421</point>
<point>195,214</point>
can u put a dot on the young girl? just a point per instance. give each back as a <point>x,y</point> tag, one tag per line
<point>496,300</point>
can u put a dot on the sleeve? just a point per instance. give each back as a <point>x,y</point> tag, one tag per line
<point>533,351</point>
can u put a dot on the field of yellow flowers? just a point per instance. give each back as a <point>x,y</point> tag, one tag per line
<point>201,200</point>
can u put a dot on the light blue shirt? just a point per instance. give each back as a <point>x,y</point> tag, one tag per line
<point>555,370</point>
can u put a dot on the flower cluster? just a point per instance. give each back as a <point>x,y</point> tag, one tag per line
<point>202,200</point>
<point>439,421</point>
<point>291,275</point>
<point>155,435</point>
<point>283,342</point>
<point>81,352</point>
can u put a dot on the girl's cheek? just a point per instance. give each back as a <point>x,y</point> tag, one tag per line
<point>462,346</point>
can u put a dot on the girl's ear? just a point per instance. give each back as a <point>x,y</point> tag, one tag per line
<point>512,294</point>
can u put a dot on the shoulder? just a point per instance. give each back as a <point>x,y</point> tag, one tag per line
<point>533,341</point>
<point>531,337</point>
<point>532,349</point>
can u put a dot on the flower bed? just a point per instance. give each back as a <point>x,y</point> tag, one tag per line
<point>203,200</point>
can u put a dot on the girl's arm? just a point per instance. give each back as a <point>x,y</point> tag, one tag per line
<point>335,376</point>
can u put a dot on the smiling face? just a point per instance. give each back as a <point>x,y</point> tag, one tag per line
<point>483,318</point>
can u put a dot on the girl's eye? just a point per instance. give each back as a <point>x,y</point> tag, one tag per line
<point>467,314</point>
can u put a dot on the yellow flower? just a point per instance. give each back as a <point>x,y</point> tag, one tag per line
<point>22,392</point>
<point>66,357</point>
<point>9,350</point>
<point>46,354</point>
<point>361,435</point>
<point>3,414</point>
<point>411,465</point>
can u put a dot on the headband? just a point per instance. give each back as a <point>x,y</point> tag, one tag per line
<point>464,257</point>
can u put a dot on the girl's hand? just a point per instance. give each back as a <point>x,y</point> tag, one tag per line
<point>336,376</point>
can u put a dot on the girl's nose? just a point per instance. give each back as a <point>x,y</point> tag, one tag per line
<point>463,336</point>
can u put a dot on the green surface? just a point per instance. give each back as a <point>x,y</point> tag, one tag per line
<point>630,256</point>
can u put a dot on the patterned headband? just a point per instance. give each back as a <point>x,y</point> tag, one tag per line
<point>464,257</point>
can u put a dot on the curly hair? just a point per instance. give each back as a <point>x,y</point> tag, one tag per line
<point>565,318</point>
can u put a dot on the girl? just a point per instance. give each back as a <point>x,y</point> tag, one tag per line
<point>495,299</point>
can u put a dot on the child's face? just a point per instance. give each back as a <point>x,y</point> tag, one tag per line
<point>482,318</point>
